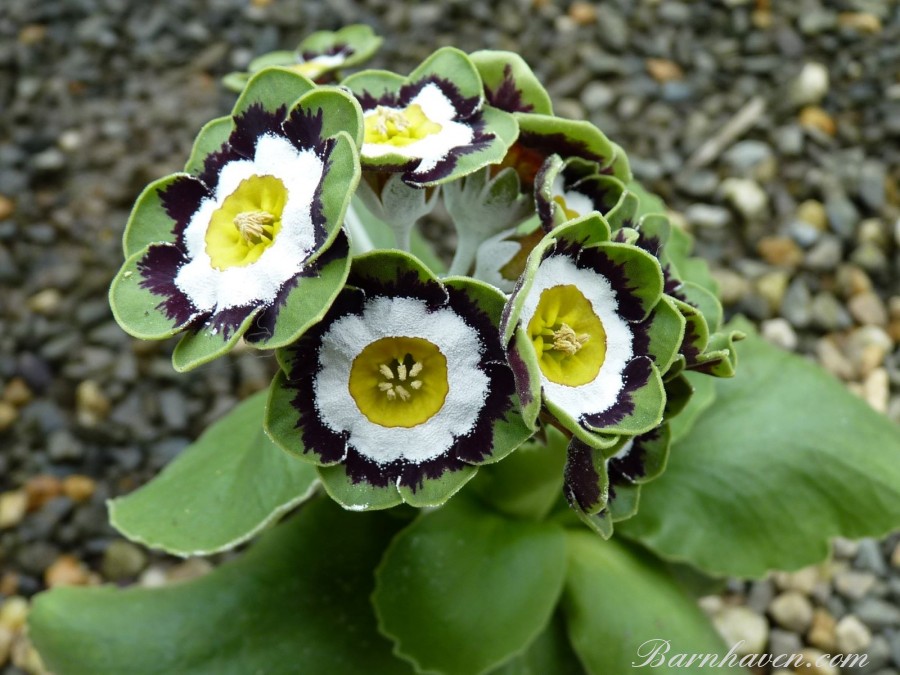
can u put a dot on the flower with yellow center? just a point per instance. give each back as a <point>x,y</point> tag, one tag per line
<point>220,253</point>
<point>397,392</point>
<point>590,331</point>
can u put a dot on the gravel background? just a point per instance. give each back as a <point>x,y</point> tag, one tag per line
<point>772,129</point>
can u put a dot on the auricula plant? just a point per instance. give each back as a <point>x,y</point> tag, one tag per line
<point>550,439</point>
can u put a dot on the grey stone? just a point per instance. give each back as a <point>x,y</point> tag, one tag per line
<point>842,215</point>
<point>828,313</point>
<point>871,184</point>
<point>745,155</point>
<point>825,255</point>
<point>123,560</point>
<point>869,557</point>
<point>707,215</point>
<point>597,95</point>
<point>796,306</point>
<point>877,614</point>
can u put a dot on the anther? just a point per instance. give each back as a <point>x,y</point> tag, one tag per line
<point>251,225</point>
<point>416,369</point>
<point>402,393</point>
<point>401,372</point>
<point>416,384</point>
<point>565,339</point>
<point>387,372</point>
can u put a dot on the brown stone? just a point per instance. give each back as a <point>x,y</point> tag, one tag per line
<point>814,117</point>
<point>860,21</point>
<point>583,13</point>
<point>32,34</point>
<point>821,632</point>
<point>663,70</point>
<point>66,570</point>
<point>7,207</point>
<point>41,489</point>
<point>868,309</point>
<point>78,488</point>
<point>13,506</point>
<point>780,251</point>
<point>813,212</point>
<point>8,415</point>
<point>9,583</point>
<point>17,392</point>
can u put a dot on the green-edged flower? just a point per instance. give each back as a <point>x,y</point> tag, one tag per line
<point>705,348</point>
<point>320,57</point>
<point>433,126</point>
<point>603,486</point>
<point>590,331</point>
<point>248,243</point>
<point>402,389</point>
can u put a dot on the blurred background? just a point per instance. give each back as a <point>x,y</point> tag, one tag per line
<point>771,129</point>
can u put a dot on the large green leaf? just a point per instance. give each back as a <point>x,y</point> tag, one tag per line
<point>622,605</point>
<point>783,460</point>
<point>219,492</point>
<point>549,654</point>
<point>298,602</point>
<point>464,589</point>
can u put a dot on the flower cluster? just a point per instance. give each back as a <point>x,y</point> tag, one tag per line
<point>566,303</point>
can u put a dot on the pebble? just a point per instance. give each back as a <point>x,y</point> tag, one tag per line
<point>796,306</point>
<point>79,488</point>
<point>814,213</point>
<point>780,251</point>
<point>852,635</point>
<point>741,624</point>
<point>825,255</point>
<point>67,570</point>
<point>13,506</point>
<point>843,216</point>
<point>868,309</point>
<point>663,70</point>
<point>8,415</point>
<point>732,286</point>
<point>792,610</point>
<point>7,207</point>
<point>853,584</point>
<point>746,196</point>
<point>876,613</point>
<point>783,642</point>
<point>123,560</point>
<point>868,557</point>
<point>93,404</point>
<point>41,489</point>
<point>17,392</point>
<point>707,215</point>
<point>814,118</point>
<point>779,333</point>
<point>876,389</point>
<point>822,631</point>
<point>192,568</point>
<point>811,85</point>
<point>829,314</point>
<point>895,559</point>
<point>745,155</point>
<point>814,663</point>
<point>13,613</point>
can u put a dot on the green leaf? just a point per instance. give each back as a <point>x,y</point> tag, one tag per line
<point>211,138</point>
<point>296,603</point>
<point>463,589</point>
<point>221,491</point>
<point>620,603</point>
<point>648,202</point>
<point>783,460</point>
<point>528,483</point>
<point>549,654</point>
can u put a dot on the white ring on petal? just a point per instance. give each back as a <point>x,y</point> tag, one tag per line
<point>258,283</point>
<point>603,391</point>
<point>575,201</point>
<point>468,386</point>
<point>434,147</point>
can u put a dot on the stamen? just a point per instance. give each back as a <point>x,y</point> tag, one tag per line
<point>387,372</point>
<point>251,225</point>
<point>565,339</point>
<point>416,384</point>
<point>391,394</point>
<point>404,395</point>
<point>401,372</point>
<point>385,386</point>
<point>416,369</point>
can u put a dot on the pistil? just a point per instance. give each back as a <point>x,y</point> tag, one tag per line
<point>566,340</point>
<point>251,225</point>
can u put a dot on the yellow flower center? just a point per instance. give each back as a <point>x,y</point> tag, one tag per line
<point>570,213</point>
<point>310,69</point>
<point>399,127</point>
<point>568,336</point>
<point>399,381</point>
<point>246,224</point>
